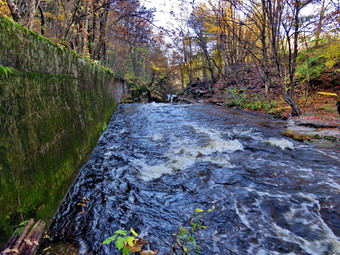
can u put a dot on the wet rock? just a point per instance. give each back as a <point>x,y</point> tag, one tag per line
<point>313,133</point>
<point>283,247</point>
<point>225,176</point>
<point>316,125</point>
<point>332,218</point>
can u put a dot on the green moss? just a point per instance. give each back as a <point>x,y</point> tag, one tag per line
<point>49,124</point>
<point>5,72</point>
<point>53,108</point>
<point>26,50</point>
<point>297,136</point>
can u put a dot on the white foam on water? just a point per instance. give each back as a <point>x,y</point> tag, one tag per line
<point>110,151</point>
<point>180,159</point>
<point>217,143</point>
<point>312,222</point>
<point>209,131</point>
<point>243,217</point>
<point>259,251</point>
<point>221,161</point>
<point>157,137</point>
<point>309,197</point>
<point>153,104</point>
<point>223,146</point>
<point>331,154</point>
<point>250,133</point>
<point>305,172</point>
<point>279,142</point>
<point>314,247</point>
<point>108,154</point>
<point>184,153</point>
<point>154,172</point>
<point>330,182</point>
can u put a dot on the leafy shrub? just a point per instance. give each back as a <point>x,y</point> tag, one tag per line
<point>238,97</point>
<point>311,63</point>
<point>185,239</point>
<point>184,243</point>
<point>128,244</point>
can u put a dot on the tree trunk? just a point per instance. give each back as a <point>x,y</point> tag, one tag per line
<point>319,26</point>
<point>275,19</point>
<point>265,50</point>
<point>101,48</point>
<point>204,71</point>
<point>291,102</point>
<point>15,12</point>
<point>42,18</point>
<point>224,54</point>
<point>85,29</point>
<point>92,37</point>
<point>30,13</point>
<point>295,109</point>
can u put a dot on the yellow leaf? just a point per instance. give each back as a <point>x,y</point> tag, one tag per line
<point>133,232</point>
<point>130,240</point>
<point>327,93</point>
<point>199,210</point>
<point>211,209</point>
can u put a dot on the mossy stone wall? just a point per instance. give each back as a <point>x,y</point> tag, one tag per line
<point>53,107</point>
<point>23,49</point>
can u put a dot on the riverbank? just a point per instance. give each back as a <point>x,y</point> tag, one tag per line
<point>319,122</point>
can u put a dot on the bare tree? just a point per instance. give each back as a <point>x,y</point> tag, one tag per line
<point>23,11</point>
<point>196,23</point>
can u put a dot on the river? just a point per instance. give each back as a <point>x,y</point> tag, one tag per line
<point>156,163</point>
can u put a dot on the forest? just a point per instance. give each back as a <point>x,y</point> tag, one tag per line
<point>282,51</point>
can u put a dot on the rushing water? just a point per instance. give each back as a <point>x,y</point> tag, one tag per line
<point>156,163</point>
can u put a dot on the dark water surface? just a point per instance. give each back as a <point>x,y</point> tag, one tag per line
<point>156,163</point>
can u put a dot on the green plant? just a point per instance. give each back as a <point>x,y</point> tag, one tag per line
<point>313,62</point>
<point>311,66</point>
<point>239,98</point>
<point>236,97</point>
<point>185,239</point>
<point>6,71</point>
<point>20,228</point>
<point>128,244</point>
<point>329,108</point>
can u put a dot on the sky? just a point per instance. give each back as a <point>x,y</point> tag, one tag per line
<point>163,18</point>
<point>163,8</point>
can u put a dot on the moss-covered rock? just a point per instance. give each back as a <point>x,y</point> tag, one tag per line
<point>321,137</point>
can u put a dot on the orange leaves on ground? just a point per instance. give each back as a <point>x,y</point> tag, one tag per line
<point>137,245</point>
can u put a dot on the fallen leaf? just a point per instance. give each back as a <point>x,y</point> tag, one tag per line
<point>327,94</point>
<point>199,210</point>
<point>137,245</point>
<point>133,232</point>
<point>211,209</point>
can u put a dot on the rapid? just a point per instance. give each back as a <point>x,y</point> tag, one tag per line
<point>156,163</point>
